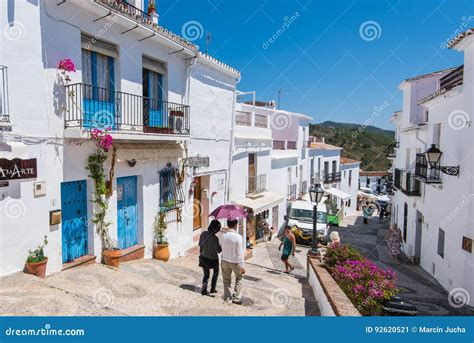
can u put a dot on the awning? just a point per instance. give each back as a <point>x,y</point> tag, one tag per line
<point>261,202</point>
<point>146,152</point>
<point>338,193</point>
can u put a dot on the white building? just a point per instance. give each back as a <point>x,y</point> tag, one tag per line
<point>165,102</point>
<point>432,208</point>
<point>251,172</point>
<point>349,183</point>
<point>377,180</point>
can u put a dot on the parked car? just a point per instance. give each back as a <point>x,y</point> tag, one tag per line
<point>300,218</point>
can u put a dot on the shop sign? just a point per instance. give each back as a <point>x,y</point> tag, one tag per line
<point>17,169</point>
<point>196,162</point>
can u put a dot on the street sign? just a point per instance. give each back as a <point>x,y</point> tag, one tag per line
<point>17,169</point>
<point>196,162</point>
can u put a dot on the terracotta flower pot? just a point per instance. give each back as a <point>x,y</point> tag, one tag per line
<point>111,257</point>
<point>38,269</point>
<point>161,252</point>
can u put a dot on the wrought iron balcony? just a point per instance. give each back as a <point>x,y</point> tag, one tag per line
<point>90,107</point>
<point>332,177</point>
<point>424,172</point>
<point>257,184</point>
<point>407,183</point>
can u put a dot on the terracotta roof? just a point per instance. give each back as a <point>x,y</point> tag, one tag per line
<point>460,37</point>
<point>323,146</point>
<point>346,160</point>
<point>373,173</point>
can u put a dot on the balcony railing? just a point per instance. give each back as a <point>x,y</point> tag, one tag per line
<point>279,145</point>
<point>424,172</point>
<point>453,79</point>
<point>407,183</point>
<point>243,118</point>
<point>90,107</point>
<point>332,177</point>
<point>261,121</point>
<point>292,191</point>
<point>257,184</point>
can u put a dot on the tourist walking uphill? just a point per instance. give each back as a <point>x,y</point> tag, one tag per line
<point>289,246</point>
<point>232,262</point>
<point>209,256</point>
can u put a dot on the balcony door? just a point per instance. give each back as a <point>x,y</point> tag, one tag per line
<point>153,109</point>
<point>98,91</point>
<point>252,172</point>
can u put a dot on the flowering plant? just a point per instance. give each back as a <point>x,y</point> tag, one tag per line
<point>67,65</point>
<point>102,139</point>
<point>365,284</point>
<point>338,253</point>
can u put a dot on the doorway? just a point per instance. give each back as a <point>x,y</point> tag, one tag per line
<point>127,211</point>
<point>418,233</point>
<point>197,205</point>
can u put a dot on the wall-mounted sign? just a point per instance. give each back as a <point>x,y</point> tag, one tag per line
<point>55,217</point>
<point>196,162</point>
<point>4,183</point>
<point>467,244</point>
<point>17,169</point>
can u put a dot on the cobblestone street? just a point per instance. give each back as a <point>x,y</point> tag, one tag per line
<point>416,285</point>
<point>152,288</point>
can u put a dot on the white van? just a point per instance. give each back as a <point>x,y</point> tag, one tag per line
<point>300,218</point>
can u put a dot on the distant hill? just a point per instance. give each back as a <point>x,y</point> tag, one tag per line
<point>368,128</point>
<point>368,145</point>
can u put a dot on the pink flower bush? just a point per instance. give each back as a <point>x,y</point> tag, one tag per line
<point>365,284</point>
<point>102,139</point>
<point>67,65</point>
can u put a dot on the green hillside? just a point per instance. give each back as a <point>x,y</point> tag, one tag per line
<point>368,145</point>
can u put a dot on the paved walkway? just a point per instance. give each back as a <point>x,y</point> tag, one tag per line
<point>153,288</point>
<point>416,285</point>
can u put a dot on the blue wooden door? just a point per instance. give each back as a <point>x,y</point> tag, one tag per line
<point>127,211</point>
<point>74,219</point>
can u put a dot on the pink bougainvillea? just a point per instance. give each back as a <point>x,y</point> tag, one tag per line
<point>67,65</point>
<point>102,139</point>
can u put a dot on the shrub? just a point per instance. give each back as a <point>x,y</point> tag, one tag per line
<point>365,284</point>
<point>37,255</point>
<point>339,253</point>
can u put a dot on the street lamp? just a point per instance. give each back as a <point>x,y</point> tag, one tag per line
<point>316,193</point>
<point>433,155</point>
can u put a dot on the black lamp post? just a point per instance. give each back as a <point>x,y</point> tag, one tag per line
<point>433,155</point>
<point>316,193</point>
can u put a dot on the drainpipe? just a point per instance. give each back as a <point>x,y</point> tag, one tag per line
<point>232,135</point>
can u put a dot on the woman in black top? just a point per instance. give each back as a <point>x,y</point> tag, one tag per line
<point>209,256</point>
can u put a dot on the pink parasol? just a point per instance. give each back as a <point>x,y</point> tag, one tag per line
<point>229,212</point>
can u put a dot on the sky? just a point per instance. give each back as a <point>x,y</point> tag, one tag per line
<point>339,60</point>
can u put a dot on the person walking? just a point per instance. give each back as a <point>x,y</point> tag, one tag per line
<point>394,240</point>
<point>289,245</point>
<point>368,210</point>
<point>232,261</point>
<point>382,212</point>
<point>209,256</point>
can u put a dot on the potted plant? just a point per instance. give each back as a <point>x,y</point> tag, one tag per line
<point>36,261</point>
<point>161,249</point>
<point>151,7</point>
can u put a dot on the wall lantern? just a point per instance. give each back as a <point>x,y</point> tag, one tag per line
<point>433,156</point>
